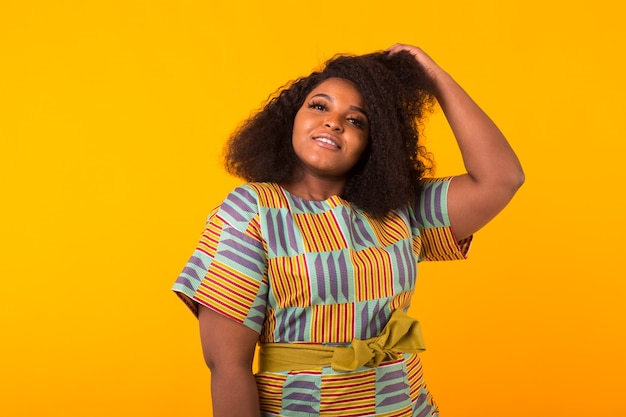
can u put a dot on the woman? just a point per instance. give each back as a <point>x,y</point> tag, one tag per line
<point>315,259</point>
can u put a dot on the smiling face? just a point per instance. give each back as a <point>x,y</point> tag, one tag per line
<point>331,130</point>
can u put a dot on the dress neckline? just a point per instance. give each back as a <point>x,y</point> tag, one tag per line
<point>332,200</point>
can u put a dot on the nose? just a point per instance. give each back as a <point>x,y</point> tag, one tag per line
<point>333,123</point>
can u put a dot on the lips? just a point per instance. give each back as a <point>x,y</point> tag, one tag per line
<point>327,139</point>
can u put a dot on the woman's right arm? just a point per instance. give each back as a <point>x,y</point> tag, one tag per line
<point>228,349</point>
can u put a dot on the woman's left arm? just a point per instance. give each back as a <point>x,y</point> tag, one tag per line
<point>494,173</point>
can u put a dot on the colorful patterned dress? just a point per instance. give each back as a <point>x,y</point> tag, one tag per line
<point>324,272</point>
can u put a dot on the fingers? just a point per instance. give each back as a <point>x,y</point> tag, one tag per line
<point>420,56</point>
<point>413,50</point>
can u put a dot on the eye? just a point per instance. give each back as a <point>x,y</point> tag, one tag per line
<point>316,105</point>
<point>358,122</point>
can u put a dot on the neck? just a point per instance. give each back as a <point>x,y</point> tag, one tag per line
<point>316,189</point>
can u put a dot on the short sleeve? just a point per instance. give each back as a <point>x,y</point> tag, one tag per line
<point>227,271</point>
<point>435,240</point>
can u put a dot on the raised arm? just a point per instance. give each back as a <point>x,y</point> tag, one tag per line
<point>494,173</point>
<point>228,349</point>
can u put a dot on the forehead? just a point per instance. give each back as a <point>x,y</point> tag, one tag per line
<point>339,88</point>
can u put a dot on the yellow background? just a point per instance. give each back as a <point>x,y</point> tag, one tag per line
<point>112,118</point>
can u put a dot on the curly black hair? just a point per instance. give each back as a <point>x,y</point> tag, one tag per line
<point>398,95</point>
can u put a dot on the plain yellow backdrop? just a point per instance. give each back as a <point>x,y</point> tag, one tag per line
<point>112,119</point>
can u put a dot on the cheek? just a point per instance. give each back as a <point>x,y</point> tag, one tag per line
<point>299,124</point>
<point>363,151</point>
<point>364,141</point>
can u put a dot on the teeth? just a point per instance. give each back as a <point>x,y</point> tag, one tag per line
<point>330,142</point>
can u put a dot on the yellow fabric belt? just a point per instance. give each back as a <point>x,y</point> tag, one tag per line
<point>402,334</point>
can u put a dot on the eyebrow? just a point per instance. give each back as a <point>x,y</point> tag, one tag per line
<point>329,98</point>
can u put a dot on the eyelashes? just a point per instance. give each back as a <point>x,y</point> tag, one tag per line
<point>318,106</point>
<point>357,121</point>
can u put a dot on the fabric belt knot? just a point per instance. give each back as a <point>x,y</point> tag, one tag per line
<point>402,334</point>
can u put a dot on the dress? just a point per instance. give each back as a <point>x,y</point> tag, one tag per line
<point>300,271</point>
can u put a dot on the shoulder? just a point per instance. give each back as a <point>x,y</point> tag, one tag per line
<point>436,235</point>
<point>434,183</point>
<point>247,200</point>
<point>430,207</point>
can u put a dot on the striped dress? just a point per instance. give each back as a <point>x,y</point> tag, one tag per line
<point>300,271</point>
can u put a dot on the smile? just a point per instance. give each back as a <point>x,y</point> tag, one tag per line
<point>328,140</point>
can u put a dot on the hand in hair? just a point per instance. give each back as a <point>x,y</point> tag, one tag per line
<point>493,171</point>
<point>426,62</point>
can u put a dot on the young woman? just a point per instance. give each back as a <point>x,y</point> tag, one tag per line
<point>315,258</point>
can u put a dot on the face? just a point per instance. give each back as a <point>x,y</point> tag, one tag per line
<point>331,129</point>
